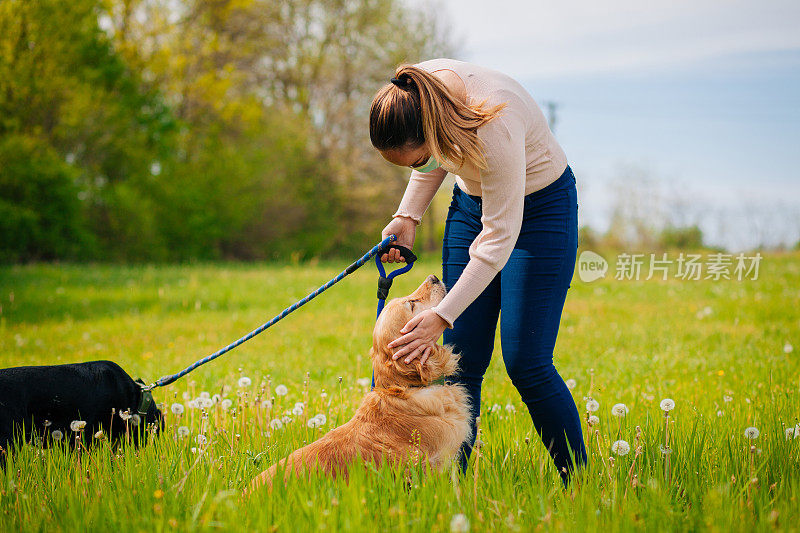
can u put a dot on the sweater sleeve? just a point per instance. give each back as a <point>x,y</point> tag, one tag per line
<point>421,188</point>
<point>503,200</point>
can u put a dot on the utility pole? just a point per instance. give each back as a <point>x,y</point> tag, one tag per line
<point>552,114</point>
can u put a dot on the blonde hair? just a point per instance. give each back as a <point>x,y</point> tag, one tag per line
<point>417,108</point>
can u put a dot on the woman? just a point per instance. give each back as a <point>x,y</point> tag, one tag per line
<point>510,238</point>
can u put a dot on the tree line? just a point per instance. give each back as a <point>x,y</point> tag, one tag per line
<point>164,130</point>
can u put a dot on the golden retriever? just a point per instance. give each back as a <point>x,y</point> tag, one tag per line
<point>404,418</point>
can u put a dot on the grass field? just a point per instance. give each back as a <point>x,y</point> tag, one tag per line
<point>726,352</point>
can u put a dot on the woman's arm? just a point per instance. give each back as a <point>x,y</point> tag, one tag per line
<point>503,193</point>
<point>503,199</point>
<point>422,186</point>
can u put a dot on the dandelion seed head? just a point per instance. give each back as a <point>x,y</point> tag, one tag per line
<point>593,420</point>
<point>281,390</point>
<point>266,404</point>
<point>276,424</point>
<point>621,447</point>
<point>619,410</point>
<point>313,423</point>
<point>183,431</point>
<point>99,434</point>
<point>125,415</point>
<point>206,403</point>
<point>136,419</point>
<point>47,423</point>
<point>751,433</point>
<point>77,425</point>
<point>788,348</point>
<point>177,409</point>
<point>667,404</point>
<point>57,435</point>
<point>592,405</point>
<point>205,394</point>
<point>226,404</point>
<point>459,523</point>
<point>201,439</point>
<point>364,382</point>
<point>286,419</point>
<point>571,384</point>
<point>322,419</point>
<point>245,382</point>
<point>298,409</point>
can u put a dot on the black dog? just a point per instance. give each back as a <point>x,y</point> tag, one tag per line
<point>36,401</point>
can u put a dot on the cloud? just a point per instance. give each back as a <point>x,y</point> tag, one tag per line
<point>550,39</point>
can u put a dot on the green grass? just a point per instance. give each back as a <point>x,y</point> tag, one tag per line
<point>621,341</point>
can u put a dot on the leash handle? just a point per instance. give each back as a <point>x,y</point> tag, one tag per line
<point>405,253</point>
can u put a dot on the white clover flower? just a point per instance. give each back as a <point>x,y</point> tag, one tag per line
<point>788,348</point>
<point>201,439</point>
<point>619,410</point>
<point>510,408</point>
<point>77,425</point>
<point>244,382</point>
<point>183,431</point>
<point>459,523</point>
<point>204,395</point>
<point>667,404</point>
<point>593,420</point>
<point>276,424</point>
<point>125,415</point>
<point>57,435</point>
<point>592,405</point>
<point>266,404</point>
<point>313,423</point>
<point>751,433</point>
<point>226,404</point>
<point>496,408</point>
<point>571,384</point>
<point>135,419</point>
<point>286,419</point>
<point>364,382</point>
<point>281,390</point>
<point>206,403</point>
<point>621,447</point>
<point>322,419</point>
<point>177,409</point>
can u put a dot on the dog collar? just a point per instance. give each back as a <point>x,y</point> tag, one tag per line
<point>145,402</point>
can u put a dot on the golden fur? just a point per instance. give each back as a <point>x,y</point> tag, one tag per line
<point>404,416</point>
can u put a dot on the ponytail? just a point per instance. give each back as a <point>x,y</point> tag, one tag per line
<point>416,108</point>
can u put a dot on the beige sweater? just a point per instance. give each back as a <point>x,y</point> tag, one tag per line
<point>522,156</point>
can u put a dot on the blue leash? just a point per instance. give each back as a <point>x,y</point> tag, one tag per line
<point>384,245</point>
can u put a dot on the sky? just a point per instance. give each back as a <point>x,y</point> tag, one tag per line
<point>695,101</point>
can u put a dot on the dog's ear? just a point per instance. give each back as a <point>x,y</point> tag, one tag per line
<point>441,363</point>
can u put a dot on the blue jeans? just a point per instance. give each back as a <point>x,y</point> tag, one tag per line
<point>530,290</point>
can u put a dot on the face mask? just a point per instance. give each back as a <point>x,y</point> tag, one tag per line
<point>431,164</point>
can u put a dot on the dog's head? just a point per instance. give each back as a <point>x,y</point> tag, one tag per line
<point>398,311</point>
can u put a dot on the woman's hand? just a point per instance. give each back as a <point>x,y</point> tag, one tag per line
<point>420,336</point>
<point>405,229</point>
